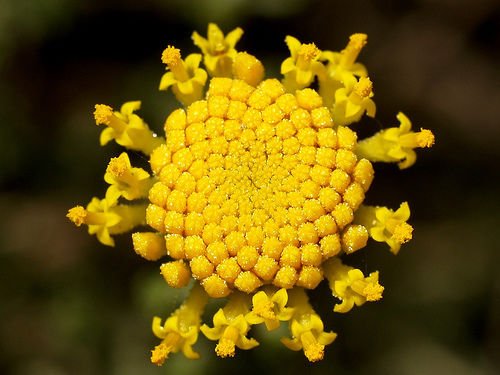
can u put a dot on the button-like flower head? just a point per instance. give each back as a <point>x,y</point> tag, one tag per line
<point>256,191</point>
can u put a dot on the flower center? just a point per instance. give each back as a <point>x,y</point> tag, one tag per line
<point>256,187</point>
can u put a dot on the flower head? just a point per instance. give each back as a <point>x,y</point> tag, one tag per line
<point>271,186</point>
<point>256,192</point>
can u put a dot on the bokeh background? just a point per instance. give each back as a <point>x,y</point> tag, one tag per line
<point>69,305</point>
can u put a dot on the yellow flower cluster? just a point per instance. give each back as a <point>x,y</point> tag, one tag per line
<point>255,186</point>
<point>257,191</point>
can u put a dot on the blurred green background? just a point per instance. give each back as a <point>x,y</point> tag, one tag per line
<point>71,306</point>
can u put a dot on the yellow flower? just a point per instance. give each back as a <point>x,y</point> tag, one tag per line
<point>302,66</point>
<point>353,101</point>
<point>395,144</point>
<point>263,203</point>
<point>230,327</point>
<point>105,217</point>
<point>350,285</point>
<point>131,183</point>
<point>180,330</point>
<point>218,51</point>
<point>126,128</point>
<point>341,69</point>
<point>185,77</point>
<point>256,192</point>
<point>342,65</point>
<point>269,307</point>
<point>307,328</point>
<point>386,225</point>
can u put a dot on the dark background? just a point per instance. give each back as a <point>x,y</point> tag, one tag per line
<point>71,306</point>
